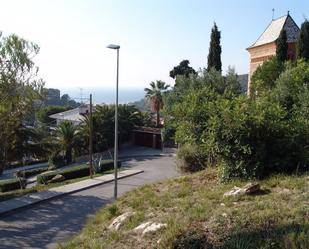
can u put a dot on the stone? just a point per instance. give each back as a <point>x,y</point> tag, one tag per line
<point>149,227</point>
<point>251,188</point>
<point>118,221</point>
<point>57,178</point>
<point>235,191</point>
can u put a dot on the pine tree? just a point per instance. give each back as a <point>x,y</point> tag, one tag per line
<point>282,46</point>
<point>303,41</point>
<point>214,56</point>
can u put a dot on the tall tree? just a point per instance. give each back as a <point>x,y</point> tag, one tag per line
<point>303,41</point>
<point>19,87</point>
<point>182,69</point>
<point>214,56</point>
<point>155,95</point>
<point>282,46</point>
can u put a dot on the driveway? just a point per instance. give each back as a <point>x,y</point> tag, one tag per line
<point>43,225</point>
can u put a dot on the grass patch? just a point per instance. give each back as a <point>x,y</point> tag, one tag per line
<point>198,216</point>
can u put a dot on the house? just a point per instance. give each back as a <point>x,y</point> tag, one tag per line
<point>75,115</point>
<point>265,46</point>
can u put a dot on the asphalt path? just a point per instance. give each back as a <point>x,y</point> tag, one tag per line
<point>46,224</point>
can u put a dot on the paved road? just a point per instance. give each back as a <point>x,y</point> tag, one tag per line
<point>44,225</point>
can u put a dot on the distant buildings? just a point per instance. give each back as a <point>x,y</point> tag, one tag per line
<point>265,46</point>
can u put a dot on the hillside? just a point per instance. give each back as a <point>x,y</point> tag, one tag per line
<point>197,215</point>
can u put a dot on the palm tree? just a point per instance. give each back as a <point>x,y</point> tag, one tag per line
<point>66,136</point>
<point>155,96</point>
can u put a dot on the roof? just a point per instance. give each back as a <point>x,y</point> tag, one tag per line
<point>70,115</point>
<point>273,30</point>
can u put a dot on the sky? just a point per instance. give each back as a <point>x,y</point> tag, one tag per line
<point>154,35</point>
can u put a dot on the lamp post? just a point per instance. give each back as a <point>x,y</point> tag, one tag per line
<point>117,47</point>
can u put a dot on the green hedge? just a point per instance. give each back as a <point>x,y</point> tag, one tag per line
<point>30,172</point>
<point>12,184</point>
<point>75,172</point>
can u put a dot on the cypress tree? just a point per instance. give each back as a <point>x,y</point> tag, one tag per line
<point>282,46</point>
<point>303,41</point>
<point>214,56</point>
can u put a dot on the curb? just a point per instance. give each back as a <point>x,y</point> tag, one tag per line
<point>28,205</point>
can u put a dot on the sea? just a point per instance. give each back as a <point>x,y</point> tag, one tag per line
<point>104,95</point>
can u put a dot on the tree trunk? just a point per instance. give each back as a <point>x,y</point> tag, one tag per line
<point>158,118</point>
<point>68,155</point>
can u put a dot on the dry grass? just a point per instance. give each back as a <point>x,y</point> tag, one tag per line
<point>198,216</point>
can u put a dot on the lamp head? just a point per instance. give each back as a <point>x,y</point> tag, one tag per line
<point>113,46</point>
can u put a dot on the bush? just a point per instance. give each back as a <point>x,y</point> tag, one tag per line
<point>12,184</point>
<point>74,172</point>
<point>30,172</point>
<point>56,161</point>
<point>191,158</point>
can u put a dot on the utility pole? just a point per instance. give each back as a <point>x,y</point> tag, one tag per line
<point>90,139</point>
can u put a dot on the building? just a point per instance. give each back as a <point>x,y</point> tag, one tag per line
<point>265,46</point>
<point>75,115</point>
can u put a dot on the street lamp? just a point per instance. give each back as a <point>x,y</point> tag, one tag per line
<point>117,47</point>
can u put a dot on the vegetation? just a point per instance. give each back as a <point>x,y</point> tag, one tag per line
<point>214,55</point>
<point>75,172</point>
<point>19,86</point>
<point>303,41</point>
<point>198,216</point>
<point>248,138</point>
<point>282,46</point>
<point>182,69</point>
<point>30,172</point>
<point>43,114</point>
<point>12,184</point>
<point>155,95</point>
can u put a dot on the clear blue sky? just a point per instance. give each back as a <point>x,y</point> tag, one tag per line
<point>155,35</point>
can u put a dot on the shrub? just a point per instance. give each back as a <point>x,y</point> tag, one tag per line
<point>30,172</point>
<point>56,161</point>
<point>191,158</point>
<point>12,184</point>
<point>74,172</point>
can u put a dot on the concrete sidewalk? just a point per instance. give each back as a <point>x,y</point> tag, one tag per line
<point>9,206</point>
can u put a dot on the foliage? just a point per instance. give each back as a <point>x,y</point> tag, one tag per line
<point>66,139</point>
<point>12,184</point>
<point>30,172</point>
<point>155,95</point>
<point>265,76</point>
<point>182,69</point>
<point>43,114</point>
<point>52,98</point>
<point>282,46</point>
<point>74,172</point>
<point>214,56</point>
<point>191,158</point>
<point>19,87</point>
<point>248,137</point>
<point>56,160</point>
<point>303,41</point>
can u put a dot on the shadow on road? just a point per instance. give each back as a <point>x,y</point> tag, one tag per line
<point>35,227</point>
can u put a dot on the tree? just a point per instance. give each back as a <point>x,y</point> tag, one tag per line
<point>155,96</point>
<point>19,87</point>
<point>303,41</point>
<point>43,114</point>
<point>282,46</point>
<point>66,138</point>
<point>214,56</point>
<point>182,69</point>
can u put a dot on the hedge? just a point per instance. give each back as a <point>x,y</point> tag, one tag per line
<point>12,184</point>
<point>75,172</point>
<point>30,172</point>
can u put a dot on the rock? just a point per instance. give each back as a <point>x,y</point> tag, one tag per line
<point>224,214</point>
<point>118,221</point>
<point>251,188</point>
<point>222,204</point>
<point>154,227</point>
<point>149,227</point>
<point>57,178</point>
<point>234,191</point>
